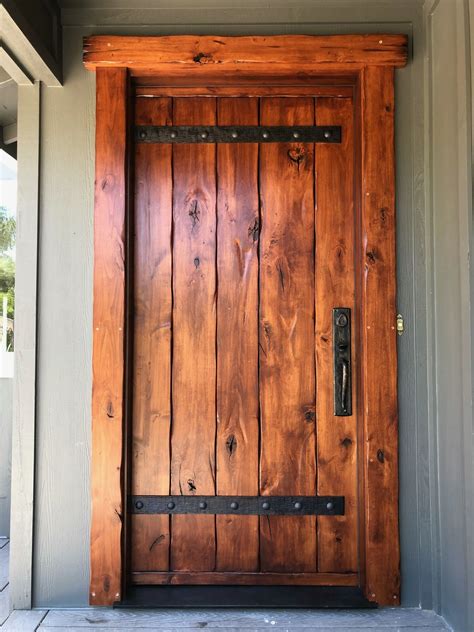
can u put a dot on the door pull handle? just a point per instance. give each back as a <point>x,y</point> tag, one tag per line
<point>341,330</point>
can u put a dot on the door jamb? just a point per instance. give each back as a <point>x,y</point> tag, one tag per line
<point>178,60</point>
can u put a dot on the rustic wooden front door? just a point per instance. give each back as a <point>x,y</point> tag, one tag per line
<point>242,252</point>
<point>245,400</point>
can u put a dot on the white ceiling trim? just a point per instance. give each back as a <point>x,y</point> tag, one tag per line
<point>17,46</point>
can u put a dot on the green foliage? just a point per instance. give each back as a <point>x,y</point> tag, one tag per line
<point>7,267</point>
<point>7,288</point>
<point>7,231</point>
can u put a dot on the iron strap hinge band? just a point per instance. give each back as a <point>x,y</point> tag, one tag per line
<point>237,134</point>
<point>243,505</point>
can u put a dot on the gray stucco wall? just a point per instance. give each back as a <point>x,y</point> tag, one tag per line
<point>6,410</point>
<point>432,426</point>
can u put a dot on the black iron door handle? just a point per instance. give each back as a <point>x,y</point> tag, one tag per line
<point>345,371</point>
<point>341,329</point>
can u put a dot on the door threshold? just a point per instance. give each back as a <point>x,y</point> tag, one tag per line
<point>245,597</point>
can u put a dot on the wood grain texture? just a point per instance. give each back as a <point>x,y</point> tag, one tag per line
<point>237,336</point>
<point>24,620</point>
<point>286,338</point>
<point>265,55</point>
<point>256,90</point>
<point>108,346</point>
<point>379,345</point>
<point>335,287</point>
<point>253,619</point>
<point>152,336</point>
<point>248,579</point>
<point>194,336</point>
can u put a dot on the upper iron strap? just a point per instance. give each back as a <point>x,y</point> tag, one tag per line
<point>237,134</point>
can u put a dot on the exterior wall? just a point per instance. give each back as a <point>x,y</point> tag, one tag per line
<point>428,391</point>
<point>6,400</point>
<point>449,193</point>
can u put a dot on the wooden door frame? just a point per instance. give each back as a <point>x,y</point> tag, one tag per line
<point>207,64</point>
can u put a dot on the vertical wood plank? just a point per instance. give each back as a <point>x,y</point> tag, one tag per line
<point>108,346</point>
<point>237,336</point>
<point>194,336</point>
<point>335,287</point>
<point>379,362</point>
<point>287,356</point>
<point>152,337</point>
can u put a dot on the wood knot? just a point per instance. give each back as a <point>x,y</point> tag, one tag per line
<point>196,262</point>
<point>380,456</point>
<point>194,212</point>
<point>191,486</point>
<point>346,442</point>
<point>110,410</point>
<point>371,257</point>
<point>254,230</point>
<point>231,444</point>
<point>297,155</point>
<point>202,58</point>
<point>309,416</point>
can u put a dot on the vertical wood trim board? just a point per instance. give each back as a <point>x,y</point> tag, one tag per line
<point>378,337</point>
<point>108,345</point>
<point>24,387</point>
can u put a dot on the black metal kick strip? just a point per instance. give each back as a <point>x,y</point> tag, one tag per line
<point>243,505</point>
<point>237,134</point>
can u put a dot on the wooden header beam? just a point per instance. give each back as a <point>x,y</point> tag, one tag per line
<point>213,56</point>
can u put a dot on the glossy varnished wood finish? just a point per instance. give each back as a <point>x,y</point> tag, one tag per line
<point>193,540</point>
<point>253,90</point>
<point>237,336</point>
<point>335,287</point>
<point>287,356</point>
<point>108,346</point>
<point>152,337</point>
<point>210,57</point>
<point>375,243</point>
<point>248,579</point>
<point>379,345</point>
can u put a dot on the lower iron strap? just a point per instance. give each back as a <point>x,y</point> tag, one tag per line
<point>240,505</point>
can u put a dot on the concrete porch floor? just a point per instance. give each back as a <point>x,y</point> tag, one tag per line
<point>231,620</point>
